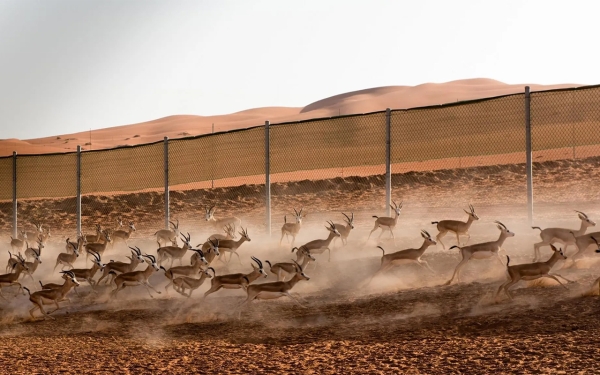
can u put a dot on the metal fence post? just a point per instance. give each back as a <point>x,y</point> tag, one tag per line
<point>14,188</point>
<point>78,197</point>
<point>388,161</point>
<point>268,178</point>
<point>166,155</point>
<point>528,156</point>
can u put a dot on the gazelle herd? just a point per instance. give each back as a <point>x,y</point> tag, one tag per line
<point>194,265</point>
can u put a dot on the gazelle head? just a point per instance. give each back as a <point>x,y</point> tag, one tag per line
<point>120,222</point>
<point>23,234</point>
<point>260,266</point>
<point>137,253</point>
<point>152,262</point>
<point>300,272</point>
<point>472,213</point>
<point>70,277</point>
<point>349,219</point>
<point>186,240</point>
<point>396,208</point>
<point>36,255</point>
<point>175,226</point>
<point>504,229</point>
<point>332,228</point>
<point>201,256</point>
<point>209,213</point>
<point>21,262</point>
<point>298,216</point>
<point>208,274</point>
<point>585,219</point>
<point>244,234</point>
<point>559,251</point>
<point>40,243</point>
<point>97,260</point>
<point>427,237</point>
<point>75,248</point>
<point>106,235</point>
<point>38,227</point>
<point>131,226</point>
<point>214,246</point>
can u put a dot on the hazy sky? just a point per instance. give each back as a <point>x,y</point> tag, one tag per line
<point>72,65</point>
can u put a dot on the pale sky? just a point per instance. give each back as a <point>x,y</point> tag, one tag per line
<point>71,65</point>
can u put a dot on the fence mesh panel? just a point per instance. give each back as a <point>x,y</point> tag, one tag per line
<point>225,170</point>
<point>453,155</point>
<point>565,128</point>
<point>6,178</point>
<point>327,167</point>
<point>126,182</point>
<point>46,190</point>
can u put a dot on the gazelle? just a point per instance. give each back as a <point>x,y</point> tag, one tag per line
<point>229,234</point>
<point>456,226</point>
<point>174,252</point>
<point>274,290</point>
<point>483,250</point>
<point>345,229</point>
<point>32,266</point>
<point>123,235</point>
<point>98,247</point>
<point>318,246</point>
<point>210,250</point>
<point>563,236</point>
<point>137,277</point>
<point>532,271</point>
<point>231,246</point>
<point>79,244</point>
<point>236,280</point>
<point>180,284</point>
<point>69,257</point>
<point>30,252</point>
<point>391,260</point>
<point>185,270</point>
<point>388,223</point>
<point>283,269</point>
<point>10,279</point>
<point>292,229</point>
<point>92,238</point>
<point>135,259</point>
<point>32,234</point>
<point>18,244</point>
<point>220,223</point>
<point>582,242</point>
<point>52,296</point>
<point>88,274</point>
<point>168,235</point>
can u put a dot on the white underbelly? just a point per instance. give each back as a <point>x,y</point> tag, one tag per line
<point>482,255</point>
<point>270,295</point>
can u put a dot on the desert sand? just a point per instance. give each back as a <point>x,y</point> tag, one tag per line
<point>362,101</point>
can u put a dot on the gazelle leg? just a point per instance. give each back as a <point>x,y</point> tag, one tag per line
<point>457,271</point>
<point>557,275</point>
<point>508,285</point>
<point>457,239</point>
<point>502,287</point>
<point>295,300</point>
<point>374,229</point>
<point>151,287</point>
<point>439,238</point>
<point>423,263</point>
<point>554,277</point>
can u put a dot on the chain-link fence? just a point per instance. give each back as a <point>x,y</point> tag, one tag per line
<point>440,156</point>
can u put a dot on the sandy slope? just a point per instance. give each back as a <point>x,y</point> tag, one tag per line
<point>369,100</point>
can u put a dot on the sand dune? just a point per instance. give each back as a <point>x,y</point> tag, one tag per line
<point>362,101</point>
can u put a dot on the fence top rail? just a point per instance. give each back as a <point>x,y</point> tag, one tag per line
<point>435,106</point>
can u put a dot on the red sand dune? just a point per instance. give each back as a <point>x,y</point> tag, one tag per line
<point>368,100</point>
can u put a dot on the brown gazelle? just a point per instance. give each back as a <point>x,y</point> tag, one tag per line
<point>283,269</point>
<point>483,250</point>
<point>231,246</point>
<point>10,279</point>
<point>391,260</point>
<point>52,296</point>
<point>274,290</point>
<point>68,258</point>
<point>174,252</point>
<point>388,223</point>
<point>18,244</point>
<point>137,277</point>
<point>164,236</point>
<point>92,238</point>
<point>318,246</point>
<point>30,252</point>
<point>235,280</point>
<point>180,284</point>
<point>123,235</point>
<point>564,236</point>
<point>292,229</point>
<point>220,223</point>
<point>210,249</point>
<point>37,260</point>
<point>456,226</point>
<point>532,271</point>
<point>345,229</point>
<point>88,274</point>
<point>98,247</point>
<point>185,270</point>
<point>135,260</point>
